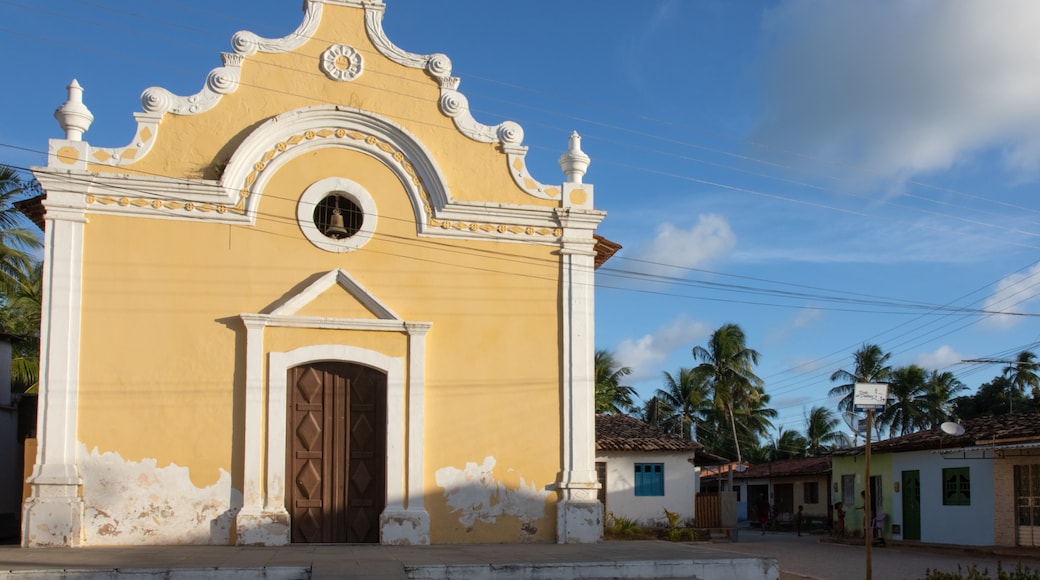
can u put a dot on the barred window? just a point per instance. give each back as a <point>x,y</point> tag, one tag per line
<point>956,486</point>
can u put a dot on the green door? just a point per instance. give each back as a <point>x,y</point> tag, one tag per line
<point>912,505</point>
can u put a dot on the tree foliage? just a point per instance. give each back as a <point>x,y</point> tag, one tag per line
<point>870,365</point>
<point>1022,373</point>
<point>611,395</point>
<point>21,276</point>
<point>687,397</point>
<point>729,365</point>
<point>822,431</point>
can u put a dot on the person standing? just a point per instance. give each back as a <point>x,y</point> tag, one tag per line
<point>798,521</point>
<point>762,509</point>
<point>839,528</point>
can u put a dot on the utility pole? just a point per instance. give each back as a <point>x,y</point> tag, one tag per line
<point>868,524</point>
<point>869,397</point>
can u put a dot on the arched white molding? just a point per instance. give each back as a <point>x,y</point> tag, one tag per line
<point>291,134</point>
<point>294,133</point>
<point>278,365</point>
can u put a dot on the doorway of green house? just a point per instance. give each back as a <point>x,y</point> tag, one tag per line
<point>911,488</point>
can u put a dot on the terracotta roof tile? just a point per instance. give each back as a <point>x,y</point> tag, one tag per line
<point>32,208</point>
<point>787,467</point>
<point>624,433</point>
<point>604,249</point>
<point>977,432</point>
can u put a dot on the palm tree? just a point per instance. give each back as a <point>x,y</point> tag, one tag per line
<point>611,395</point>
<point>939,391</point>
<point>754,420</point>
<point>686,395</point>
<point>868,367</point>
<point>821,430</point>
<point>1022,373</point>
<point>729,365</point>
<point>20,281</point>
<point>787,444</point>
<point>655,412</point>
<point>20,315</point>
<point>16,241</point>
<point>906,391</point>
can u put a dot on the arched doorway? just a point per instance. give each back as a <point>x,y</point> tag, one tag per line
<point>336,452</point>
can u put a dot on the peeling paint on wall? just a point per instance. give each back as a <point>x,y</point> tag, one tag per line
<point>139,503</point>
<point>474,493</point>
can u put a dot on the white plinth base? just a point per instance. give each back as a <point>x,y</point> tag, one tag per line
<point>404,527</point>
<point>256,527</point>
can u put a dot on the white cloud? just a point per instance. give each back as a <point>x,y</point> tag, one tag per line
<point>709,239</point>
<point>943,357</point>
<point>802,319</point>
<point>1012,294</point>
<point>647,354</point>
<point>905,88</point>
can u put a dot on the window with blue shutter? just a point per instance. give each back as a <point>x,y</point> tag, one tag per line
<point>649,479</point>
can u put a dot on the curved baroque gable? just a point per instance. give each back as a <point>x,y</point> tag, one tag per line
<point>223,80</point>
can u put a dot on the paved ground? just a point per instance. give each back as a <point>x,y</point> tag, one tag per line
<point>800,558</point>
<point>357,561</point>
<point>807,557</point>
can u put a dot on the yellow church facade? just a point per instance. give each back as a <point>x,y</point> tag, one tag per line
<point>316,301</point>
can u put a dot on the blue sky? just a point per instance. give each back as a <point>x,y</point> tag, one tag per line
<point>822,173</point>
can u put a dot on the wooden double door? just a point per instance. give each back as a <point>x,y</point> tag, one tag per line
<point>336,452</point>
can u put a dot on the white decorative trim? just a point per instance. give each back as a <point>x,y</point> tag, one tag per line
<point>452,103</point>
<point>437,66</point>
<point>290,307</point>
<point>164,197</point>
<point>316,193</point>
<point>54,513</point>
<point>220,81</point>
<point>264,519</point>
<point>279,364</point>
<point>579,513</point>
<point>294,133</point>
<point>247,43</point>
<point>335,56</point>
<point>157,101</point>
<point>522,178</point>
<point>235,198</point>
<point>455,105</point>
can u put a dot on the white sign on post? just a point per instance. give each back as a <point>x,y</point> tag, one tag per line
<point>870,396</point>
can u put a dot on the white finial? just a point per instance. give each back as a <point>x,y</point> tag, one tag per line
<point>73,116</point>
<point>574,162</point>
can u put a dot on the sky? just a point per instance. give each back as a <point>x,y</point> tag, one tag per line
<point>823,173</point>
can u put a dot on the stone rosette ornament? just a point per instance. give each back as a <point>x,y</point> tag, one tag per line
<point>340,62</point>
